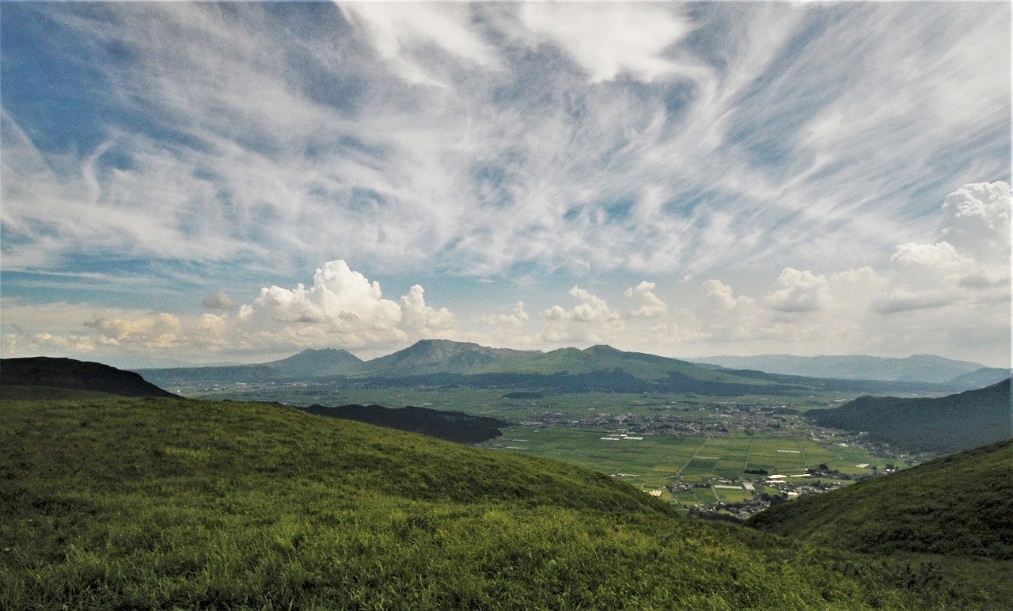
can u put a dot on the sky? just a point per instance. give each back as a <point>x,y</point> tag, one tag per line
<point>232,183</point>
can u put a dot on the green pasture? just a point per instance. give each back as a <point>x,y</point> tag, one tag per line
<point>657,460</point>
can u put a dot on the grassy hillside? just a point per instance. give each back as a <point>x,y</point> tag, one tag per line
<point>162,503</point>
<point>452,426</point>
<point>945,424</point>
<point>958,505</point>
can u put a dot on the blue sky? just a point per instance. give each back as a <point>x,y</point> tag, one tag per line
<point>203,183</point>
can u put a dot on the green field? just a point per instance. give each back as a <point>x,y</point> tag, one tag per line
<point>657,460</point>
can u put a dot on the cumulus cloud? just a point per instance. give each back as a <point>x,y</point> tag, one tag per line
<point>420,319</point>
<point>648,304</point>
<point>798,291</point>
<point>339,297</point>
<point>972,254</point>
<point>941,256</point>
<point>77,343</point>
<point>517,317</point>
<point>342,307</point>
<point>976,220</point>
<point>721,296</point>
<point>154,331</point>
<point>592,320</point>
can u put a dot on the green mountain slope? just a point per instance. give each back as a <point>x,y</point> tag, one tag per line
<point>431,356</point>
<point>960,504</point>
<point>172,503</point>
<point>945,424</point>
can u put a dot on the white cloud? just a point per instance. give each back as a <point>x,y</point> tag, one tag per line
<point>798,291</point>
<point>159,331</point>
<point>517,317</point>
<point>723,297</point>
<point>610,38</point>
<point>976,220</point>
<point>418,319</point>
<point>941,256</point>
<point>648,304</point>
<point>591,321</point>
<point>396,30</point>
<point>340,301</point>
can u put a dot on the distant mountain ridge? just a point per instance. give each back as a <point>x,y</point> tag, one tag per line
<point>915,368</point>
<point>76,375</point>
<point>944,424</point>
<point>313,363</point>
<point>306,364</point>
<point>430,356</point>
<point>449,363</point>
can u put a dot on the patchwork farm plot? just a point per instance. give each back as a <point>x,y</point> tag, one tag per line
<point>699,468</point>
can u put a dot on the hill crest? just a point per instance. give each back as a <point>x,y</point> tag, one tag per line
<point>76,375</point>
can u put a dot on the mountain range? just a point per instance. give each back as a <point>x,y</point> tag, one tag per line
<point>449,363</point>
<point>915,368</point>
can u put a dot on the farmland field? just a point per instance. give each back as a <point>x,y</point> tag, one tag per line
<point>651,462</point>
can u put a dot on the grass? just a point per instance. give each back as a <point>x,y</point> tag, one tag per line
<point>165,503</point>
<point>960,504</point>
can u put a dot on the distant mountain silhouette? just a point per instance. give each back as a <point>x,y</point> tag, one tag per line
<point>76,375</point>
<point>915,368</point>
<point>315,363</point>
<point>945,424</point>
<point>444,356</point>
<point>304,365</point>
<point>461,364</point>
<point>986,376</point>
<point>452,426</point>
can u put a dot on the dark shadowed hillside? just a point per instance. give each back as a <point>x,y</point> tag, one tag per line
<point>452,426</point>
<point>945,424</point>
<point>960,504</point>
<point>76,375</point>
